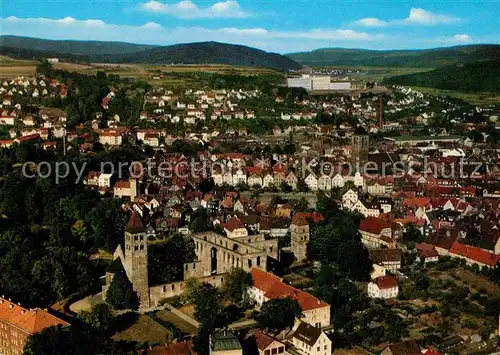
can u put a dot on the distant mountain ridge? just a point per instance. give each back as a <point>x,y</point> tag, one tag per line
<point>72,47</point>
<point>420,58</point>
<point>480,76</point>
<point>118,52</point>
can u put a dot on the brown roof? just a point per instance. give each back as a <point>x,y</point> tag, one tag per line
<point>263,340</point>
<point>31,321</point>
<point>385,282</point>
<point>134,224</point>
<point>184,348</point>
<point>440,241</point>
<point>408,347</point>
<point>307,333</point>
<point>385,255</point>
<point>232,224</point>
<point>374,225</point>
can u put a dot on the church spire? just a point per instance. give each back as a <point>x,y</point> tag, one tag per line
<point>134,224</point>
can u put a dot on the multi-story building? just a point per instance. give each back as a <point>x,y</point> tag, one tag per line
<point>311,340</point>
<point>267,286</point>
<point>17,323</point>
<point>385,287</point>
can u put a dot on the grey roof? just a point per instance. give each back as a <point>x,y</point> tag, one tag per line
<point>307,333</point>
<point>225,340</point>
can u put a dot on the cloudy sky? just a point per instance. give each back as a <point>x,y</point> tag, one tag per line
<point>275,25</point>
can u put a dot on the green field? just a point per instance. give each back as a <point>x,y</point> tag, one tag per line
<point>378,73</point>
<point>480,98</point>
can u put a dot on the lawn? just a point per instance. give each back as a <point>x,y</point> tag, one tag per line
<point>141,328</point>
<point>180,323</point>
<point>480,98</point>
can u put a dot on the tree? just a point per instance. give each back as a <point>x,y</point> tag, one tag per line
<point>302,186</point>
<point>207,306</point>
<point>278,314</point>
<point>50,341</point>
<point>98,318</point>
<point>412,234</point>
<point>285,187</point>
<point>236,285</point>
<point>199,221</point>
<point>167,259</point>
<point>120,294</point>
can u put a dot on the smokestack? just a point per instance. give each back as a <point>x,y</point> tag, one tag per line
<point>380,123</point>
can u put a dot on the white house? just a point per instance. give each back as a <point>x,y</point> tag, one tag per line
<point>268,181</point>
<point>268,286</point>
<point>349,198</point>
<point>325,183</point>
<point>311,340</point>
<point>254,179</point>
<point>385,287</point>
<point>311,182</point>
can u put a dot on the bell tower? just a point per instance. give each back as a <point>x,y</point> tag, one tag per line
<point>136,258</point>
<point>300,237</point>
<point>360,148</point>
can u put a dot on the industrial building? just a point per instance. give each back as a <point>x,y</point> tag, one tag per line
<point>317,83</point>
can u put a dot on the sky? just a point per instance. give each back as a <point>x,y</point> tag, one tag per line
<point>281,26</point>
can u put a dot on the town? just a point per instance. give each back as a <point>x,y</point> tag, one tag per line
<point>246,215</point>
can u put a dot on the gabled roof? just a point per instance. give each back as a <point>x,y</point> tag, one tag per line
<point>475,253</point>
<point>307,333</point>
<point>232,224</point>
<point>273,288</point>
<point>385,282</point>
<point>31,321</point>
<point>184,348</point>
<point>385,255</point>
<point>408,347</point>
<point>374,225</point>
<point>263,340</point>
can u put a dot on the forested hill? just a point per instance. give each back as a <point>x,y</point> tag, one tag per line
<point>471,77</point>
<point>117,52</point>
<point>72,47</point>
<point>209,53</point>
<point>426,58</point>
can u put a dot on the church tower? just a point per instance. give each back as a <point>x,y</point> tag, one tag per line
<point>300,237</point>
<point>136,258</point>
<point>360,147</point>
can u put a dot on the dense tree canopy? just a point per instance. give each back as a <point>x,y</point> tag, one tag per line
<point>120,294</point>
<point>166,259</point>
<point>236,285</point>
<point>278,314</point>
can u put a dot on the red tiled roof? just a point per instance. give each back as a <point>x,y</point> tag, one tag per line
<point>185,348</point>
<point>273,288</point>
<point>431,351</point>
<point>301,217</point>
<point>263,340</point>
<point>122,184</point>
<point>31,321</point>
<point>374,225</point>
<point>475,253</point>
<point>417,202</point>
<point>254,170</point>
<point>385,282</point>
<point>28,137</point>
<point>134,224</point>
<point>232,224</point>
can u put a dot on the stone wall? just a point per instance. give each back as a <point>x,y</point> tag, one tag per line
<point>157,293</point>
